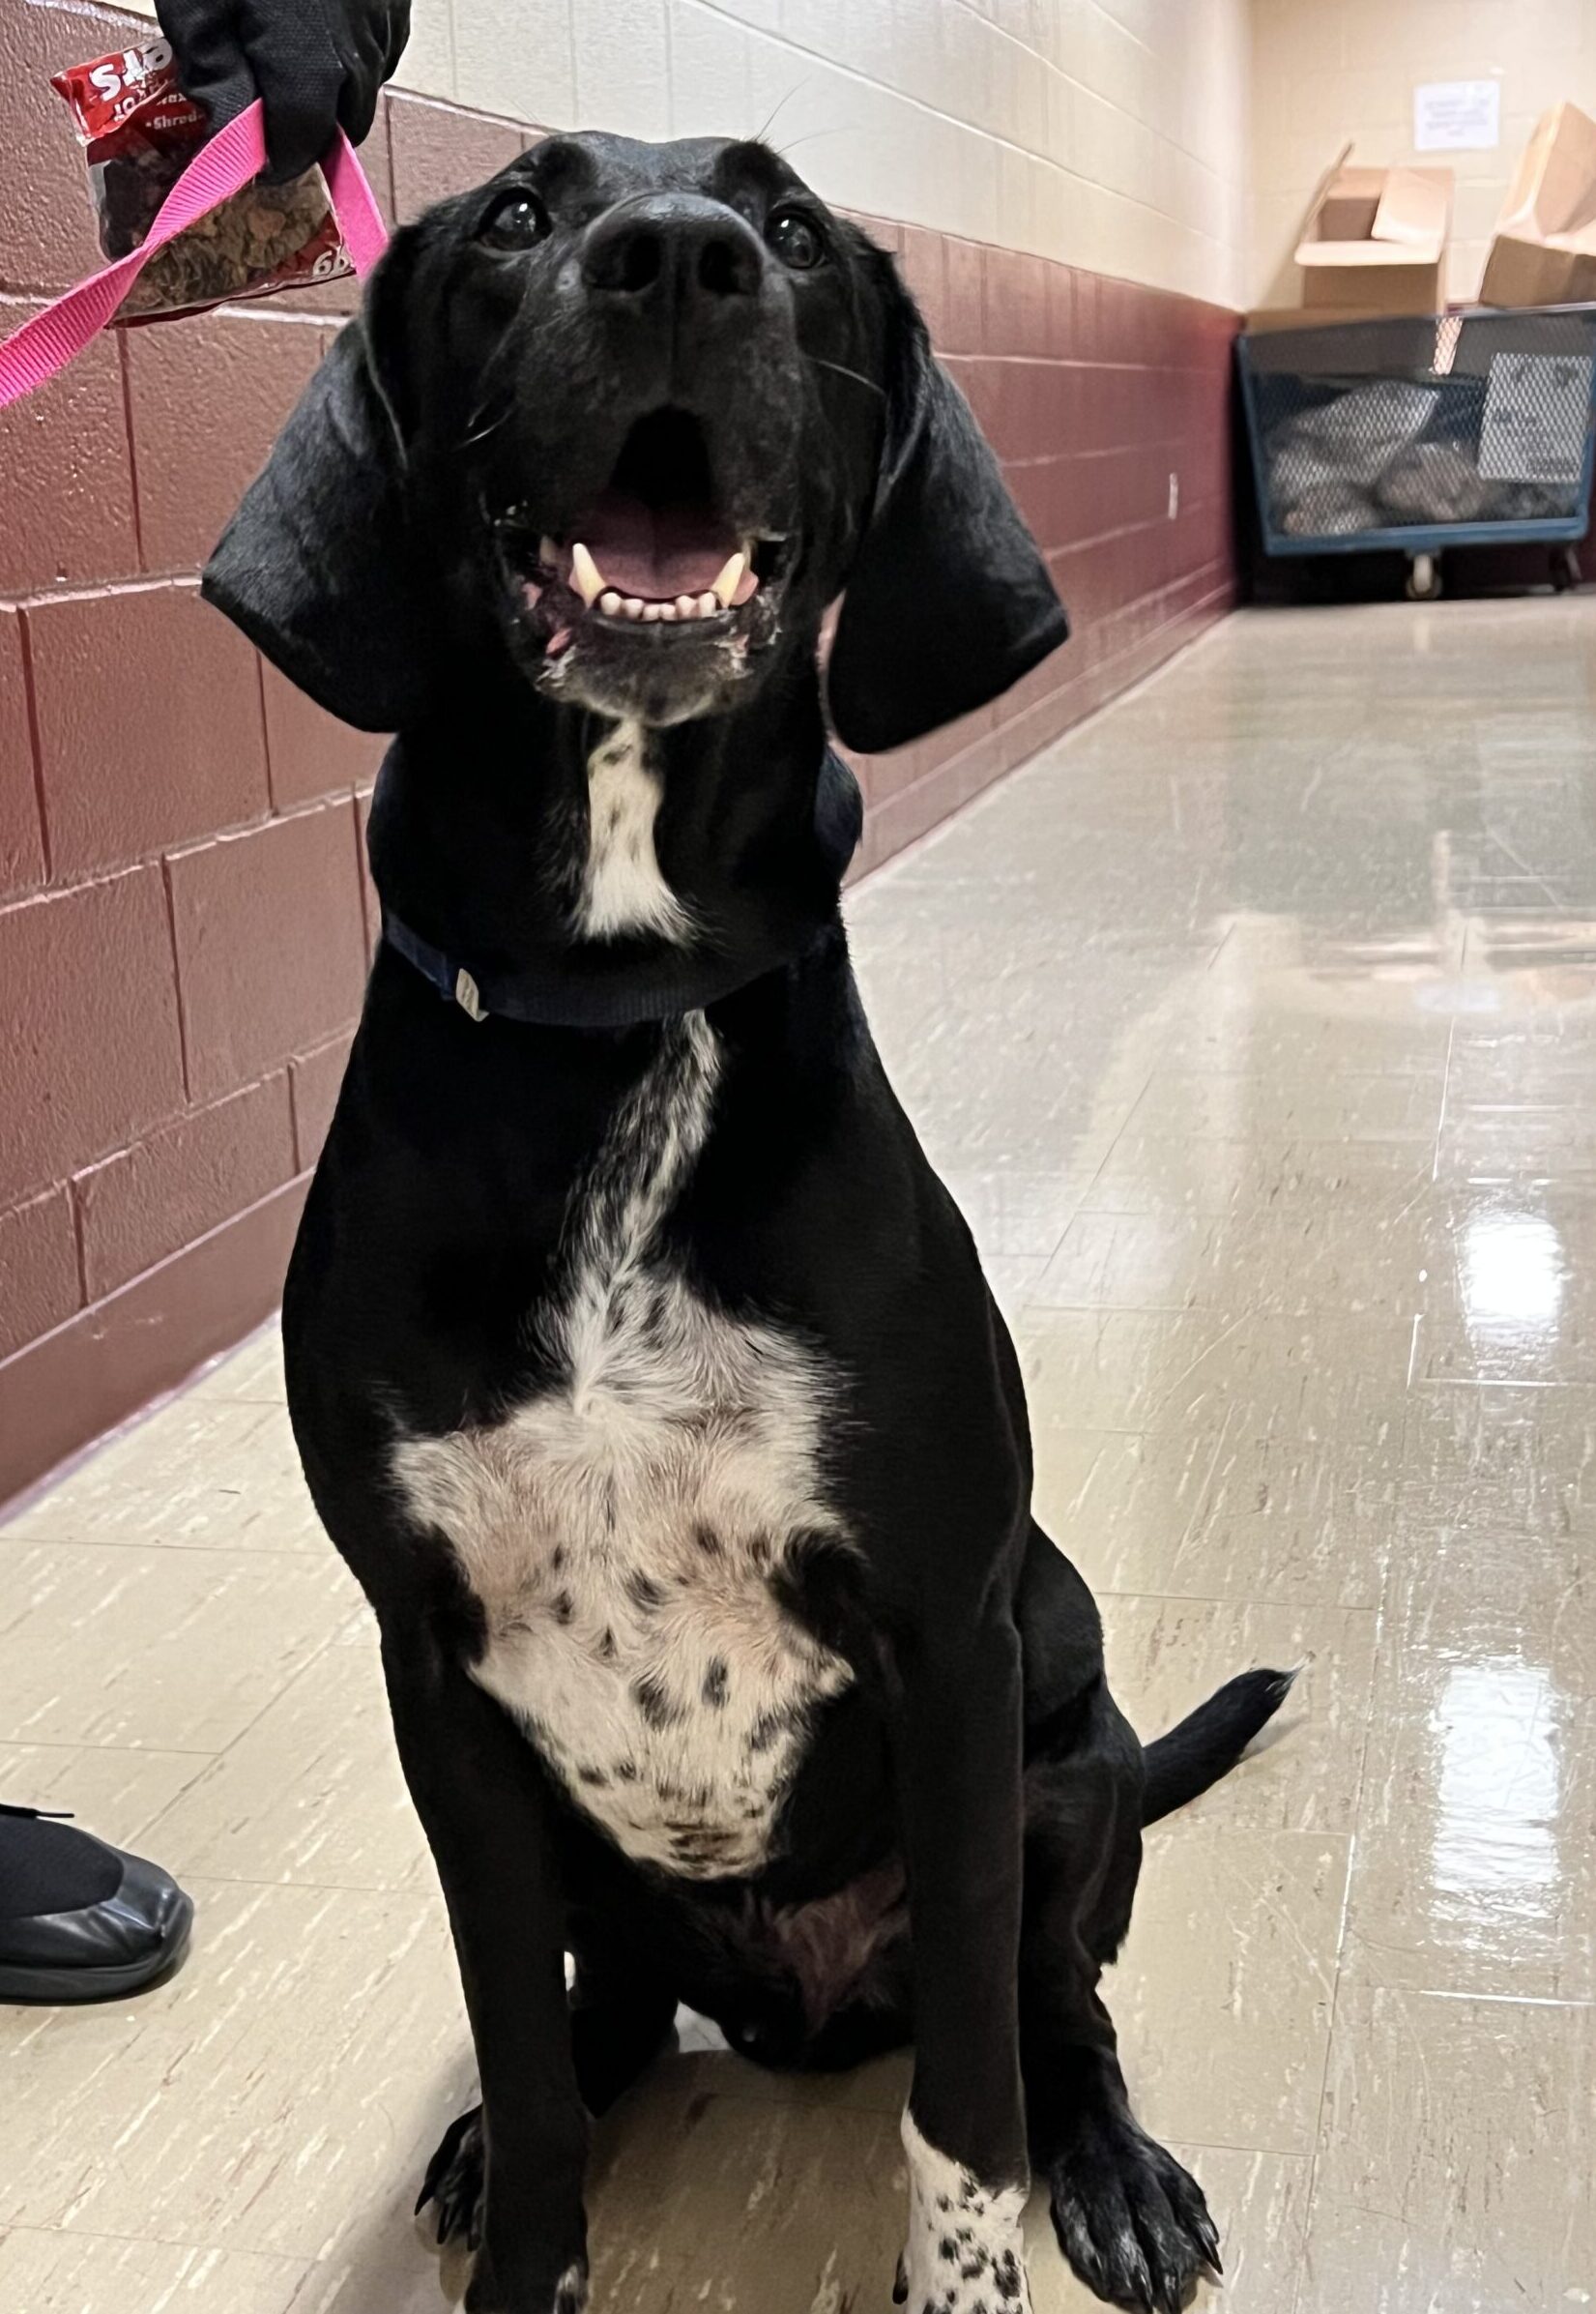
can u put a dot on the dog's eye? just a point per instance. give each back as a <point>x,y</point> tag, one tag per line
<point>796,241</point>
<point>515,221</point>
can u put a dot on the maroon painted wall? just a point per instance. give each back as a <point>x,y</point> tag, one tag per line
<point>183,917</point>
<point>1093,391</point>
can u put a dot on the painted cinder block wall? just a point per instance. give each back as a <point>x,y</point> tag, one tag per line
<point>1326,70</point>
<point>184,917</point>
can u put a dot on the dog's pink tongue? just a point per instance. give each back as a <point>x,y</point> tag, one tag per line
<point>657,552</point>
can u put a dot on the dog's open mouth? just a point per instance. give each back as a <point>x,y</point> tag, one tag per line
<point>650,557</point>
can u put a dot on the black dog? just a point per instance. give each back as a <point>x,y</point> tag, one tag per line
<point>643,1370</point>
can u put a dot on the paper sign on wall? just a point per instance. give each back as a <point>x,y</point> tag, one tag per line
<point>1457,116</point>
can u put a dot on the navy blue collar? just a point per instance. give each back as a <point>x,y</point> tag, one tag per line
<point>700,978</point>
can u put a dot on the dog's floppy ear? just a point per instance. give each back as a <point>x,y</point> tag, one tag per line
<point>948,601</point>
<point>318,565</point>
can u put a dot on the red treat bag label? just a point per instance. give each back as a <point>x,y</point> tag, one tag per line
<point>141,132</point>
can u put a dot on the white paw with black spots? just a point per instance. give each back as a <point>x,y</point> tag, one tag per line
<point>1130,2220</point>
<point>965,2253</point>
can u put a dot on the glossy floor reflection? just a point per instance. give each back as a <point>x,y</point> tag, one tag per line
<point>1254,1026</point>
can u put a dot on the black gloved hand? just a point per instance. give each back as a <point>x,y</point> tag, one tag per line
<point>316,65</point>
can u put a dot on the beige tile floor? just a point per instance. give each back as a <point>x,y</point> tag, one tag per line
<point>1256,1027</point>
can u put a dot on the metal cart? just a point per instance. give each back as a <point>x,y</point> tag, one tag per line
<point>1457,429</point>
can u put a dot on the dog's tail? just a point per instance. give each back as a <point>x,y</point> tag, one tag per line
<point>1209,1740</point>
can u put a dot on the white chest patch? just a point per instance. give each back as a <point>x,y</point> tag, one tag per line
<point>622,889</point>
<point>621,1529</point>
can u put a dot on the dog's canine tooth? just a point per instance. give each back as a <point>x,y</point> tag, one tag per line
<point>730,580</point>
<point>585,575</point>
<point>548,553</point>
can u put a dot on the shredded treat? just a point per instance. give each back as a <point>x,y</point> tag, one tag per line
<point>140,132</point>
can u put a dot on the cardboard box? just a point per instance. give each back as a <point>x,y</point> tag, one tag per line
<point>1373,242</point>
<point>1376,238</point>
<point>1545,249</point>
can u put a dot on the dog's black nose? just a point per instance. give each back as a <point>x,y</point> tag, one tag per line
<point>673,241</point>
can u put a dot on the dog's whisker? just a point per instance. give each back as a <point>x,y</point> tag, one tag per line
<point>842,129</point>
<point>782,102</point>
<point>488,425</point>
<point>843,371</point>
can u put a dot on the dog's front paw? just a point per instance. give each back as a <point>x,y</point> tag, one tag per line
<point>454,2177</point>
<point>963,2267</point>
<point>520,2282</point>
<point>964,2254</point>
<point>1131,2223</point>
<point>488,2295</point>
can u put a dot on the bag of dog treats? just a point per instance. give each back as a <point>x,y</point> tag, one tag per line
<point>141,132</point>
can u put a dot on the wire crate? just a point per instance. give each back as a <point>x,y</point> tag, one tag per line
<point>1421,433</point>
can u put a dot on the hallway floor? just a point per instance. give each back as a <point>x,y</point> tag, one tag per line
<point>1255,1027</point>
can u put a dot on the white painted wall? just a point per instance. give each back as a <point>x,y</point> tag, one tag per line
<point>1110,134</point>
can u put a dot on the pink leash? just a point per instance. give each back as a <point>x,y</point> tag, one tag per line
<point>235,156</point>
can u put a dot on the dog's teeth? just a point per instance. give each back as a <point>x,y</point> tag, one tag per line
<point>730,580</point>
<point>709,604</point>
<point>548,553</point>
<point>687,605</point>
<point>585,575</point>
<point>652,611</point>
<point>668,611</point>
<point>609,603</point>
<point>632,606</point>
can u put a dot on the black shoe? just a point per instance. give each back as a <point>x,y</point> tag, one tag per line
<point>78,1919</point>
